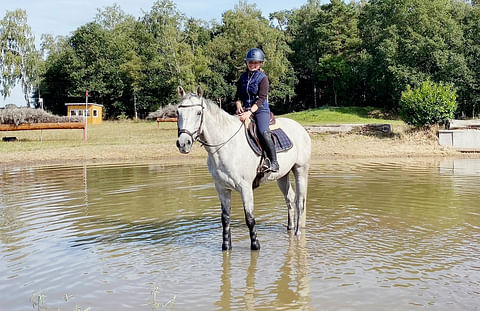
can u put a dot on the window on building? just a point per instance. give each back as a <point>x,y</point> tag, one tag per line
<point>95,113</point>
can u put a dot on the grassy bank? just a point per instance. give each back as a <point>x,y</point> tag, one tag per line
<point>345,115</point>
<point>109,141</point>
<point>115,141</point>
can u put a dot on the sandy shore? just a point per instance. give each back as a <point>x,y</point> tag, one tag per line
<point>129,142</point>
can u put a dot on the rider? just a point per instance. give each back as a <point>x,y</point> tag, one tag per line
<point>252,99</point>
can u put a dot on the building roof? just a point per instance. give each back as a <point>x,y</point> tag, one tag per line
<point>82,104</point>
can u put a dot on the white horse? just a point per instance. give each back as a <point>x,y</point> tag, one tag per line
<point>233,164</point>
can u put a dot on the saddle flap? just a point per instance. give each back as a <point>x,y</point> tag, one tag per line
<point>251,132</point>
<point>281,140</point>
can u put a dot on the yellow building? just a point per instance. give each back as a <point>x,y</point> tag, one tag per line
<point>94,111</point>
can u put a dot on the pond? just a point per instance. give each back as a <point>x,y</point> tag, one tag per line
<point>400,235</point>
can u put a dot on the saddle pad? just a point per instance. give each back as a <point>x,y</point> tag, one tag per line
<point>281,140</point>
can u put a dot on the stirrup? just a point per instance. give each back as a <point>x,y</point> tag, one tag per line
<point>267,166</point>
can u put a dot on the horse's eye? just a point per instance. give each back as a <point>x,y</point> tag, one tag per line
<point>199,113</point>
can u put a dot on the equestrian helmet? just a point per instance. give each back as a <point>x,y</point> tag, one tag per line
<point>255,54</point>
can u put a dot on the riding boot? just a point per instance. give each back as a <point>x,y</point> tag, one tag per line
<point>269,146</point>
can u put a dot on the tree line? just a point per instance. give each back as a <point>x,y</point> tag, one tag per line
<point>362,53</point>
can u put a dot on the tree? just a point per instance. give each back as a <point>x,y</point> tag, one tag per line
<point>56,80</point>
<point>338,34</point>
<point>408,42</point>
<point>325,42</point>
<point>173,62</point>
<point>306,51</point>
<point>111,17</point>
<point>19,59</point>
<point>468,17</point>
<point>244,28</point>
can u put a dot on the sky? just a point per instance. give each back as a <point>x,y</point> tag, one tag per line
<point>62,17</point>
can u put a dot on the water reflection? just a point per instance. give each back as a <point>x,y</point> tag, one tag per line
<point>466,167</point>
<point>289,290</point>
<point>379,235</point>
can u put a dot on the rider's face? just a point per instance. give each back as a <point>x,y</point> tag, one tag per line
<point>254,65</point>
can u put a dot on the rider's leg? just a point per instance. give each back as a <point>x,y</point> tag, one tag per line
<point>269,146</point>
<point>263,119</point>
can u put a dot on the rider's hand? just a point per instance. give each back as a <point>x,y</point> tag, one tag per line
<point>245,115</point>
<point>240,109</point>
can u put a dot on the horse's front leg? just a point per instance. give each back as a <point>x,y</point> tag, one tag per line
<point>225,200</point>
<point>247,197</point>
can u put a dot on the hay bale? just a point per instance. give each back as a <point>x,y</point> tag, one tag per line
<point>19,116</point>
<point>168,111</point>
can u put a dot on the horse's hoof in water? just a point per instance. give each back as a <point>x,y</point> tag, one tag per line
<point>226,246</point>
<point>255,246</point>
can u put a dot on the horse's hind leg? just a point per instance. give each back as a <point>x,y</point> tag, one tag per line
<point>301,183</point>
<point>225,196</point>
<point>289,194</point>
<point>246,192</point>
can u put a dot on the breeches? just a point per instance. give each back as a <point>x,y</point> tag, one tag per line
<point>262,119</point>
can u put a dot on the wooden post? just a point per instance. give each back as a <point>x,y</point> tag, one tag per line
<point>165,120</point>
<point>86,116</point>
<point>42,126</point>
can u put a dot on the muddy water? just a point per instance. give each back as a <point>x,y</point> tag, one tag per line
<point>379,236</point>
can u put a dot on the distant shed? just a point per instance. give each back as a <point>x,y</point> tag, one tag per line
<point>94,112</point>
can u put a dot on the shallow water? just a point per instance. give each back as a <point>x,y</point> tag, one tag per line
<point>380,235</point>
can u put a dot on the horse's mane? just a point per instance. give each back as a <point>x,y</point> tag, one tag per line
<point>222,118</point>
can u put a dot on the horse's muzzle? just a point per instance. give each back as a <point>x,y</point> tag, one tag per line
<point>184,143</point>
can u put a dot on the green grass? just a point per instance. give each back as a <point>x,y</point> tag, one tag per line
<point>342,115</point>
<point>123,140</point>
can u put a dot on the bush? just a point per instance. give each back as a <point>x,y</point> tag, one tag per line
<point>429,104</point>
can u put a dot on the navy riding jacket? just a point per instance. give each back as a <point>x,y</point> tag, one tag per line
<point>248,92</point>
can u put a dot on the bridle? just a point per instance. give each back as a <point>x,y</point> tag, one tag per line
<point>197,131</point>
<point>196,134</point>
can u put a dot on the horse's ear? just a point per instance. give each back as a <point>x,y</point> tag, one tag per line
<point>199,91</point>
<point>181,91</point>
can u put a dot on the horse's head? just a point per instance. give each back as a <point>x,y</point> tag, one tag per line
<point>190,118</point>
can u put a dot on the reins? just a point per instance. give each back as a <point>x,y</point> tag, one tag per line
<point>197,131</point>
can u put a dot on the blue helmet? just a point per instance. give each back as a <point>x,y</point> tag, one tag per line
<point>255,54</point>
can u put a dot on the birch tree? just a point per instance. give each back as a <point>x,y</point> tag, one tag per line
<point>18,56</point>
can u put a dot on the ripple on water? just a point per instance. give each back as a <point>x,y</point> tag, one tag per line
<point>135,236</point>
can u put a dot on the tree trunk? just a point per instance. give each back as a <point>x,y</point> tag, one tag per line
<point>135,106</point>
<point>25,83</point>
<point>335,93</point>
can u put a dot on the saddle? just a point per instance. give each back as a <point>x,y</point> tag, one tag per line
<point>281,140</point>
